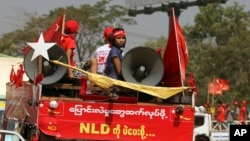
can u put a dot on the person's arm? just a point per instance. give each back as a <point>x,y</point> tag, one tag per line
<point>118,65</point>
<point>70,71</point>
<point>93,65</point>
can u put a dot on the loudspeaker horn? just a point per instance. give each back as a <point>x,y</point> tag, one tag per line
<point>142,65</point>
<point>51,72</point>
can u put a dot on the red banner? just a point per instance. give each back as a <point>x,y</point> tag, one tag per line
<point>17,106</point>
<point>116,121</point>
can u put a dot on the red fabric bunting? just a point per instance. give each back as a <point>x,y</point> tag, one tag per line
<point>19,76</point>
<point>192,83</point>
<point>12,75</point>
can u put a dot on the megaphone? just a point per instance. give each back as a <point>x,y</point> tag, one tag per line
<point>51,72</point>
<point>142,65</point>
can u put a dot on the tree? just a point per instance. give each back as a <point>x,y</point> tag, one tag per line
<point>92,18</point>
<point>218,23</point>
<point>218,47</point>
<point>160,42</point>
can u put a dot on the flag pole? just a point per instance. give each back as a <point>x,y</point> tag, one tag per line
<point>213,92</point>
<point>63,23</point>
<point>178,52</point>
<point>208,93</point>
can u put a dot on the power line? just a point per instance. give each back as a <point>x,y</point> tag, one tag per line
<point>148,37</point>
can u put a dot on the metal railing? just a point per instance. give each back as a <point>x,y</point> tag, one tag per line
<point>224,126</point>
<point>19,137</point>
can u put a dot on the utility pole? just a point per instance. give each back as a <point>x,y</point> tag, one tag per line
<point>146,6</point>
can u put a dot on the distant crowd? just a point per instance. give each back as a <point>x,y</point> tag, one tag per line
<point>238,112</point>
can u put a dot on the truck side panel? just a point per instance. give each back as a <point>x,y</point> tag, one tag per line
<point>115,121</point>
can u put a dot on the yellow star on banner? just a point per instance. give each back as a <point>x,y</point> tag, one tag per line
<point>40,48</point>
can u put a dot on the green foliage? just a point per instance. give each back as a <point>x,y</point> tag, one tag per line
<point>160,42</point>
<point>218,47</point>
<point>92,18</point>
<point>218,23</point>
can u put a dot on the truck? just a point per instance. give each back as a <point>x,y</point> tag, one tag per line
<point>57,110</point>
<point>205,124</point>
<point>48,108</point>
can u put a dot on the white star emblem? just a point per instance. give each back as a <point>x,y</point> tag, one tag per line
<point>40,48</point>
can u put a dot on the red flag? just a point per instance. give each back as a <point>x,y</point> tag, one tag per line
<point>224,84</point>
<point>192,83</point>
<point>214,88</point>
<point>12,75</point>
<point>175,56</point>
<point>19,76</point>
<point>53,33</point>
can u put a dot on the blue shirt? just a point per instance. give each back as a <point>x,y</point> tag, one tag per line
<point>114,52</point>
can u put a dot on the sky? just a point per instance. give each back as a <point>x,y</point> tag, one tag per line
<point>152,26</point>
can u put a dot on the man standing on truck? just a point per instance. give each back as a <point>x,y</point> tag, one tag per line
<point>99,57</point>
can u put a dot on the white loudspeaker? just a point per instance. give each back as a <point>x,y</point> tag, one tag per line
<point>142,65</point>
<point>51,72</point>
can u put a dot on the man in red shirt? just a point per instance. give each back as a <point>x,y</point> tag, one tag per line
<point>68,43</point>
<point>243,112</point>
<point>220,116</point>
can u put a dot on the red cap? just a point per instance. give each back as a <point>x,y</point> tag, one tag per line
<point>244,102</point>
<point>49,126</point>
<point>71,26</point>
<point>108,30</point>
<point>236,103</point>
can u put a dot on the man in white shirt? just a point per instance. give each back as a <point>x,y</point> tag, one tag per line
<point>99,57</point>
<point>98,60</point>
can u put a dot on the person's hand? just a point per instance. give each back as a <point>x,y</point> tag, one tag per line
<point>70,75</point>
